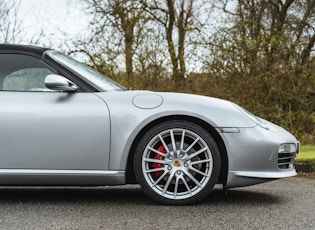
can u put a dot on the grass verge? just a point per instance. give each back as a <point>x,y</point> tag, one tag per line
<point>307,155</point>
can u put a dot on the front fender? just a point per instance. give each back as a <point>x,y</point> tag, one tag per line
<point>127,119</point>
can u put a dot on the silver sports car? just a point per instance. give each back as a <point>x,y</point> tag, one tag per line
<point>62,123</point>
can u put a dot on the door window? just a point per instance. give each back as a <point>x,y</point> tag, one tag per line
<point>23,73</point>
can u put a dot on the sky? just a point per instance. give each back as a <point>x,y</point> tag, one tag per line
<point>55,17</point>
<point>61,21</point>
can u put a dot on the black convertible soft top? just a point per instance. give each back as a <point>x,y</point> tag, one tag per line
<point>22,48</point>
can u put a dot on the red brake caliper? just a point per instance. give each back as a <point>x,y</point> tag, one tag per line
<point>161,149</point>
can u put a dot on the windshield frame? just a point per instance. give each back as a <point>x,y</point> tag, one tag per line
<point>91,76</point>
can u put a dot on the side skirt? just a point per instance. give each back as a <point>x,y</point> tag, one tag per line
<point>30,177</point>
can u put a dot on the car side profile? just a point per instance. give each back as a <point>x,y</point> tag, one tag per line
<point>64,124</point>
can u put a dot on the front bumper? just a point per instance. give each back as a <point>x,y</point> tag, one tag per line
<point>254,157</point>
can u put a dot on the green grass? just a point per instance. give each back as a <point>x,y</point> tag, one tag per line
<point>307,155</point>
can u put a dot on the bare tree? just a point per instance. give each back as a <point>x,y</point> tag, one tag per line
<point>266,54</point>
<point>277,29</point>
<point>12,29</point>
<point>10,25</point>
<point>178,18</point>
<point>117,25</point>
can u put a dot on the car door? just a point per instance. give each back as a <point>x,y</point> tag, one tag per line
<point>42,129</point>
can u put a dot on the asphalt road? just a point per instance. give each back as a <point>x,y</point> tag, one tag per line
<point>282,204</point>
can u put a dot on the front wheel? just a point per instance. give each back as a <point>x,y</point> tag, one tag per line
<point>177,163</point>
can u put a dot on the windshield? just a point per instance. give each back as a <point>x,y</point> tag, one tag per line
<point>93,77</point>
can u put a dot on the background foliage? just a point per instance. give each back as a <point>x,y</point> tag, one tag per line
<point>259,54</point>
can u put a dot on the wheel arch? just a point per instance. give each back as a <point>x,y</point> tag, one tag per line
<point>130,176</point>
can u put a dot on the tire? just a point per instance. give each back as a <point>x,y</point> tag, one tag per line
<point>177,163</point>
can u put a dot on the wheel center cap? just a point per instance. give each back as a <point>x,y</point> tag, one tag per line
<point>177,163</point>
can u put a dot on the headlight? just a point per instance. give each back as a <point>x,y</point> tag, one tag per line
<point>252,116</point>
<point>287,148</point>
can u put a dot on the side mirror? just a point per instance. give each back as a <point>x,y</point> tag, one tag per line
<point>60,83</point>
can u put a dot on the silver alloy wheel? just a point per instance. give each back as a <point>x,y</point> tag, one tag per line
<point>177,163</point>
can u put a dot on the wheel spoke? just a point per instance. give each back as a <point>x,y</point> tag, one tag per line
<point>159,179</point>
<point>198,171</point>
<point>155,161</point>
<point>164,144</point>
<point>192,145</point>
<point>154,170</point>
<point>173,140</point>
<point>197,153</point>
<point>193,179</point>
<point>187,186</point>
<point>176,186</point>
<point>156,151</point>
<point>168,182</point>
<point>182,141</point>
<point>200,162</point>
